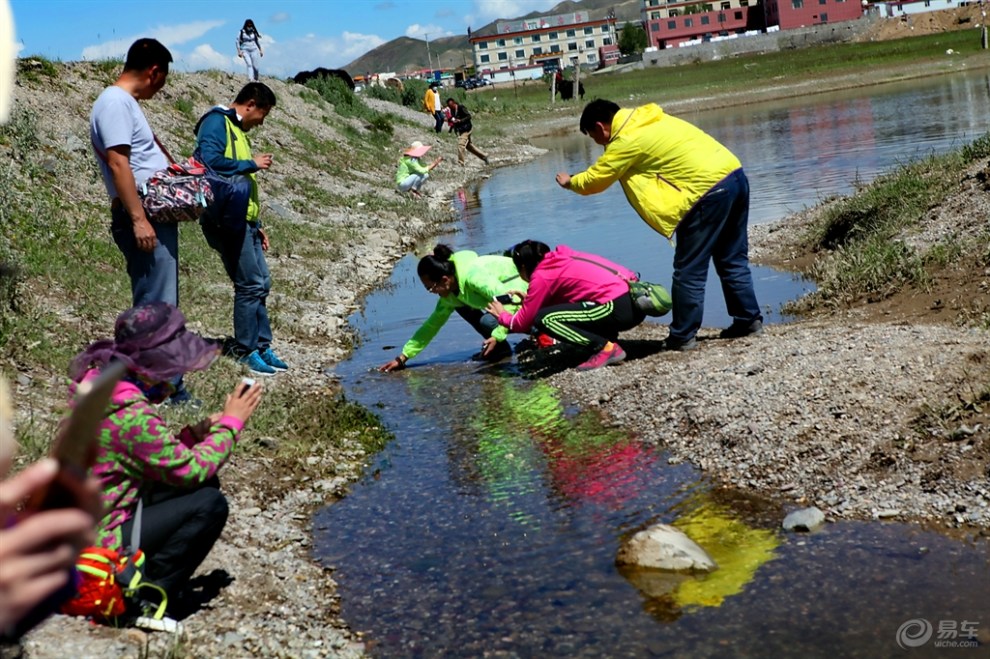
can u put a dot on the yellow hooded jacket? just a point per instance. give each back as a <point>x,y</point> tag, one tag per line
<point>665,165</point>
<point>429,99</point>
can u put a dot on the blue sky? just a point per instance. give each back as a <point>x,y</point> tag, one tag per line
<point>296,34</point>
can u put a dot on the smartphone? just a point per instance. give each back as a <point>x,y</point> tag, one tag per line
<point>247,382</point>
<point>76,438</point>
<point>504,299</point>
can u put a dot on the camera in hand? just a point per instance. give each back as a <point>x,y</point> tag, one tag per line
<point>504,299</point>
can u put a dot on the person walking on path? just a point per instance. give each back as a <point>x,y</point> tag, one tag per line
<point>433,106</point>
<point>576,298</point>
<point>679,178</point>
<point>461,120</point>
<point>249,48</point>
<point>412,173</point>
<point>128,153</point>
<point>237,234</point>
<point>465,283</point>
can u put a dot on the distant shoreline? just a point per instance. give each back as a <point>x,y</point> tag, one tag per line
<point>562,122</point>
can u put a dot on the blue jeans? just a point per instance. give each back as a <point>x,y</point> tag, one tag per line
<point>154,275</point>
<point>714,230</point>
<point>244,260</point>
<point>413,182</point>
<point>483,323</point>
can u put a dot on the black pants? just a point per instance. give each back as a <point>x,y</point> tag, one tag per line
<point>589,323</point>
<point>178,530</point>
<point>438,116</point>
<point>483,322</point>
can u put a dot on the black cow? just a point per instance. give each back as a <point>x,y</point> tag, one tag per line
<point>305,76</point>
<point>566,89</point>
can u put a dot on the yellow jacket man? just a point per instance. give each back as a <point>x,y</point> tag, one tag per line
<point>679,179</point>
<point>433,106</point>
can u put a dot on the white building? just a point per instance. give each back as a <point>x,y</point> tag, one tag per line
<point>575,37</point>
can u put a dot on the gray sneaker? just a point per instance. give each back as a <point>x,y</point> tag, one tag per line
<point>739,330</point>
<point>681,346</point>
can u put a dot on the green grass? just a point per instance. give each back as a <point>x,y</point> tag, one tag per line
<point>63,281</point>
<point>37,68</point>
<point>184,106</point>
<point>858,236</point>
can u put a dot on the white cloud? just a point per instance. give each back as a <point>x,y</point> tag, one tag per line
<point>289,57</point>
<point>280,17</point>
<point>486,11</point>
<point>169,35</point>
<point>205,57</point>
<point>417,31</point>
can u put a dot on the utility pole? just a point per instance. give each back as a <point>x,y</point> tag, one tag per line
<point>577,76</point>
<point>429,59</point>
<point>983,31</point>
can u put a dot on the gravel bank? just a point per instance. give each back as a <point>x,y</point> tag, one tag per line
<point>817,413</point>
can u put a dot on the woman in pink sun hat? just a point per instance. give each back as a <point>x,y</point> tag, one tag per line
<point>412,173</point>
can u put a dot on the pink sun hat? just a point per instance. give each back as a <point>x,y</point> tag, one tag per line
<point>416,149</point>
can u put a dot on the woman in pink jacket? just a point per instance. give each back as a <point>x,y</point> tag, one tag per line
<point>577,298</point>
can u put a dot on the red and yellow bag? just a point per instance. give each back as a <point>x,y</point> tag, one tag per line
<point>106,580</point>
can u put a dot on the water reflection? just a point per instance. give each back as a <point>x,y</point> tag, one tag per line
<point>799,152</point>
<point>738,549</point>
<point>490,525</point>
<point>496,517</point>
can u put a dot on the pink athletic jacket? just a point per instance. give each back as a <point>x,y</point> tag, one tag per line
<point>560,278</point>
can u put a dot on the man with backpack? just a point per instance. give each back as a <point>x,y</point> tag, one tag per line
<point>233,228</point>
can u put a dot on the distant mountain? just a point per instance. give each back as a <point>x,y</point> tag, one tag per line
<point>405,54</point>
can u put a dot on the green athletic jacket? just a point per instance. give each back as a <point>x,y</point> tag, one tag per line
<point>479,280</point>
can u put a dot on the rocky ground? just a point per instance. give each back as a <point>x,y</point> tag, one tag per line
<point>824,411</point>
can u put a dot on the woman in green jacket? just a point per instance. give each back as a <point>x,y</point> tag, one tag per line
<point>465,283</point>
<point>412,173</point>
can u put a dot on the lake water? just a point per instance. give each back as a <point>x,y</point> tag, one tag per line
<point>490,525</point>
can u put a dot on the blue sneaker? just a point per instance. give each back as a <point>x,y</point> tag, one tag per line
<point>256,364</point>
<point>269,357</point>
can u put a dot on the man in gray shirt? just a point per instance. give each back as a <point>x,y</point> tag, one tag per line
<point>128,154</point>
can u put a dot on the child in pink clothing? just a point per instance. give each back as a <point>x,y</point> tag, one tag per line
<point>577,298</point>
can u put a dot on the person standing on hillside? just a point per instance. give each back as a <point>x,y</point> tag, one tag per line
<point>128,154</point>
<point>249,48</point>
<point>223,146</point>
<point>432,105</point>
<point>461,123</point>
<point>679,178</point>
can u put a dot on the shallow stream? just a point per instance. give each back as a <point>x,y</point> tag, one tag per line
<point>489,526</point>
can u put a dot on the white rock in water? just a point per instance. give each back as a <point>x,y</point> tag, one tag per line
<point>807,519</point>
<point>666,548</point>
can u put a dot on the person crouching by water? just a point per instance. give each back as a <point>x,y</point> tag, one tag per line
<point>138,456</point>
<point>412,173</point>
<point>465,283</point>
<point>577,298</point>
